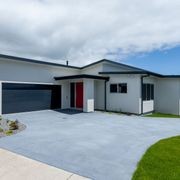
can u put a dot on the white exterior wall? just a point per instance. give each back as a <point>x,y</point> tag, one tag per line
<point>88,91</point>
<point>25,72</point>
<point>99,95</point>
<point>166,92</point>
<point>167,96</point>
<point>148,106</point>
<point>130,102</point>
<point>107,67</point>
<point>93,70</point>
<point>65,94</point>
<point>11,70</point>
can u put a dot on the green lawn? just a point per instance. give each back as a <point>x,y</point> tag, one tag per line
<point>160,162</point>
<point>162,115</point>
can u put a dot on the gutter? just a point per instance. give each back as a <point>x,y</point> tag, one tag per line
<point>142,81</point>
<point>105,96</point>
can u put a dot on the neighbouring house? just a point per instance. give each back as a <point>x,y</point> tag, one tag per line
<point>28,85</point>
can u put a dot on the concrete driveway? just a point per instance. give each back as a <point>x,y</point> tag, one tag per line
<point>95,145</point>
<point>17,167</point>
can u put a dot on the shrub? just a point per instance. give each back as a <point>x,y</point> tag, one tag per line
<point>13,125</point>
<point>1,129</point>
<point>9,132</point>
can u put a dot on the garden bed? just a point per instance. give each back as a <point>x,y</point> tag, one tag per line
<point>9,127</point>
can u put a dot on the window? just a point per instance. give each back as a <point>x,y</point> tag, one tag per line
<point>152,91</point>
<point>118,88</point>
<point>122,88</point>
<point>148,92</point>
<point>113,88</point>
<point>144,94</point>
<point>148,89</point>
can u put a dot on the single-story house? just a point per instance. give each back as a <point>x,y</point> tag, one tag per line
<point>28,85</point>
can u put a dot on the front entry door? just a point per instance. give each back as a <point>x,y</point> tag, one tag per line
<point>79,95</point>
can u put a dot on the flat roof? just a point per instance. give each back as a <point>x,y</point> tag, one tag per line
<point>80,76</point>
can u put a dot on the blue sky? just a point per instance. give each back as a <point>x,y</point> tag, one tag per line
<point>161,61</point>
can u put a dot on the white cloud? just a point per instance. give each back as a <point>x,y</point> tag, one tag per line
<point>87,30</point>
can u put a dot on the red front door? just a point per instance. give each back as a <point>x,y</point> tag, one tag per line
<point>79,95</point>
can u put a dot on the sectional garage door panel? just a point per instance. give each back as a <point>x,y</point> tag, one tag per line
<point>29,97</point>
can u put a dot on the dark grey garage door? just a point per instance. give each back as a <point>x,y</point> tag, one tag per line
<point>29,97</point>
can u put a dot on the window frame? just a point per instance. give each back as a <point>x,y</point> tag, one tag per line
<point>148,92</point>
<point>113,84</point>
<point>119,88</point>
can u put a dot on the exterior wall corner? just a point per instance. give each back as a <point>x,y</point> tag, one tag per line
<point>88,91</point>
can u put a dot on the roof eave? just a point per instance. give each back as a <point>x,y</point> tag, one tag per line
<point>132,72</point>
<point>81,76</point>
<point>36,61</point>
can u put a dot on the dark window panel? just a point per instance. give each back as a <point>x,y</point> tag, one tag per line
<point>152,92</point>
<point>113,88</point>
<point>148,92</point>
<point>122,88</point>
<point>72,94</point>
<point>144,94</point>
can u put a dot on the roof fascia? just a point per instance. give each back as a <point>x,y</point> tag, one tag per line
<point>36,61</point>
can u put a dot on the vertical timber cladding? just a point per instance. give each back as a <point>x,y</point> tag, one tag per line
<point>20,97</point>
